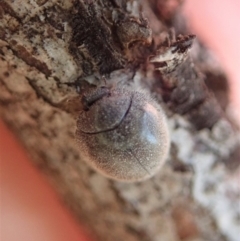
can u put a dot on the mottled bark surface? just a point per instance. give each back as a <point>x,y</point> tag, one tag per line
<point>46,46</point>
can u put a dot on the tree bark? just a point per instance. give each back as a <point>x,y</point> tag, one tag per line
<point>46,47</point>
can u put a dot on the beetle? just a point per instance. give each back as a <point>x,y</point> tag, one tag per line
<point>123,134</point>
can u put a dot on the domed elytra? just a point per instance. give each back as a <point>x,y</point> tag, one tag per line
<point>123,134</point>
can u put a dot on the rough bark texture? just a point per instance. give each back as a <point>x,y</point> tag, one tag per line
<point>45,46</point>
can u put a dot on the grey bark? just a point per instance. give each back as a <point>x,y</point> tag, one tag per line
<point>39,65</point>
